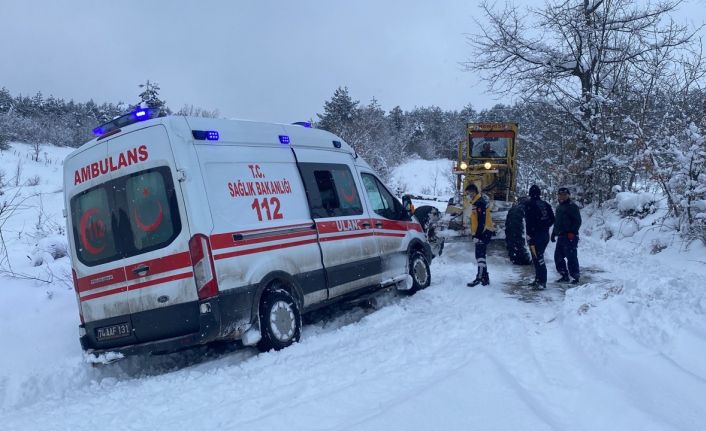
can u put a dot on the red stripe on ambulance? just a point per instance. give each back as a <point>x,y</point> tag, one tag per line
<point>161,280</point>
<point>160,265</point>
<point>347,236</point>
<point>227,240</point>
<point>104,293</point>
<point>267,248</point>
<point>101,279</point>
<point>118,275</point>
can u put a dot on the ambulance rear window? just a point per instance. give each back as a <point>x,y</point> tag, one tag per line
<point>93,229</point>
<point>148,209</point>
<point>125,217</point>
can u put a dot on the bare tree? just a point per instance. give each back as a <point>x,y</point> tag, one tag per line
<point>18,172</point>
<point>583,57</point>
<point>8,208</point>
<point>36,148</point>
<point>190,110</point>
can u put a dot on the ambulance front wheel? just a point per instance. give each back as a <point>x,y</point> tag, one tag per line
<point>420,272</point>
<point>280,320</point>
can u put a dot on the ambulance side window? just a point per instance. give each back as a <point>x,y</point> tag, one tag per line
<point>376,201</point>
<point>382,201</point>
<point>331,190</point>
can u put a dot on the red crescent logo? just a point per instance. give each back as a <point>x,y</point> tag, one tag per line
<point>149,227</point>
<point>83,230</point>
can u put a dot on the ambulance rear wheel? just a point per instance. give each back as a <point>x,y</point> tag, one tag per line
<point>280,320</point>
<point>420,272</point>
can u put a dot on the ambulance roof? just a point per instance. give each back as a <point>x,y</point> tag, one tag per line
<point>239,131</point>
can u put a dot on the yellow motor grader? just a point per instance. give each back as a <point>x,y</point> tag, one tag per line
<point>486,157</point>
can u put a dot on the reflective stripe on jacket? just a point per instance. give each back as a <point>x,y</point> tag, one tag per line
<point>480,215</point>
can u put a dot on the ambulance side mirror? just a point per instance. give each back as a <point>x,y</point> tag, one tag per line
<point>408,205</point>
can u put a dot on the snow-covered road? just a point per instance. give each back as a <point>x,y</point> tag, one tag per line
<point>623,351</point>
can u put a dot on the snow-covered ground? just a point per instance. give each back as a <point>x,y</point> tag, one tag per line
<point>623,351</point>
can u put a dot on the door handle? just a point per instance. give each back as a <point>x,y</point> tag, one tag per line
<point>378,224</point>
<point>366,225</point>
<point>141,270</point>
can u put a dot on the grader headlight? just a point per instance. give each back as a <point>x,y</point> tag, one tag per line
<point>487,165</point>
<point>463,166</point>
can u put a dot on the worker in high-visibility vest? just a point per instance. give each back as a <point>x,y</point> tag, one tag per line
<point>482,230</point>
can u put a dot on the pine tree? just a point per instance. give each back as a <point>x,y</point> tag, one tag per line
<point>150,97</point>
<point>339,113</point>
<point>6,102</point>
<point>371,137</point>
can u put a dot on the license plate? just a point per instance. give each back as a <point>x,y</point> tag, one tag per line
<point>113,331</point>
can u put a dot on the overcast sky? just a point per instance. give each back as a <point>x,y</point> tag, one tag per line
<point>259,59</point>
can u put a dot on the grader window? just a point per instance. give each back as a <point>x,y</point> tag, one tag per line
<point>489,146</point>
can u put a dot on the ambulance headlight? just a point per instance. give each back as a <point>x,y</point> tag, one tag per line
<point>487,165</point>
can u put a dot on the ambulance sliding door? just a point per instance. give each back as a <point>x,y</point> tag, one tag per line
<point>346,235</point>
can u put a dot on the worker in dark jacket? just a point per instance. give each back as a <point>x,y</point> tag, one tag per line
<point>566,229</point>
<point>482,230</point>
<point>539,217</point>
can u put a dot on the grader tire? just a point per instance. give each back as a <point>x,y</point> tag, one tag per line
<point>515,236</point>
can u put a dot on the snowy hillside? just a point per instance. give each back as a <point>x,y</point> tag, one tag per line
<point>623,351</point>
<point>419,177</point>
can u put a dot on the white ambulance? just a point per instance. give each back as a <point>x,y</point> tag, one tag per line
<point>184,231</point>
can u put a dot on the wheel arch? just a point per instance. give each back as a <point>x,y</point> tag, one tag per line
<point>421,246</point>
<point>287,283</point>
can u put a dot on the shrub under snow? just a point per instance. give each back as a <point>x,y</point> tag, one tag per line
<point>636,204</point>
<point>49,249</point>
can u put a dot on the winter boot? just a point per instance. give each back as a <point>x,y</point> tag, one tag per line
<point>537,285</point>
<point>564,279</point>
<point>485,279</point>
<point>477,281</point>
<point>575,281</point>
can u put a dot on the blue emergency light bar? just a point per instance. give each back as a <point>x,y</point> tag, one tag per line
<point>205,135</point>
<point>283,139</point>
<point>140,114</point>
